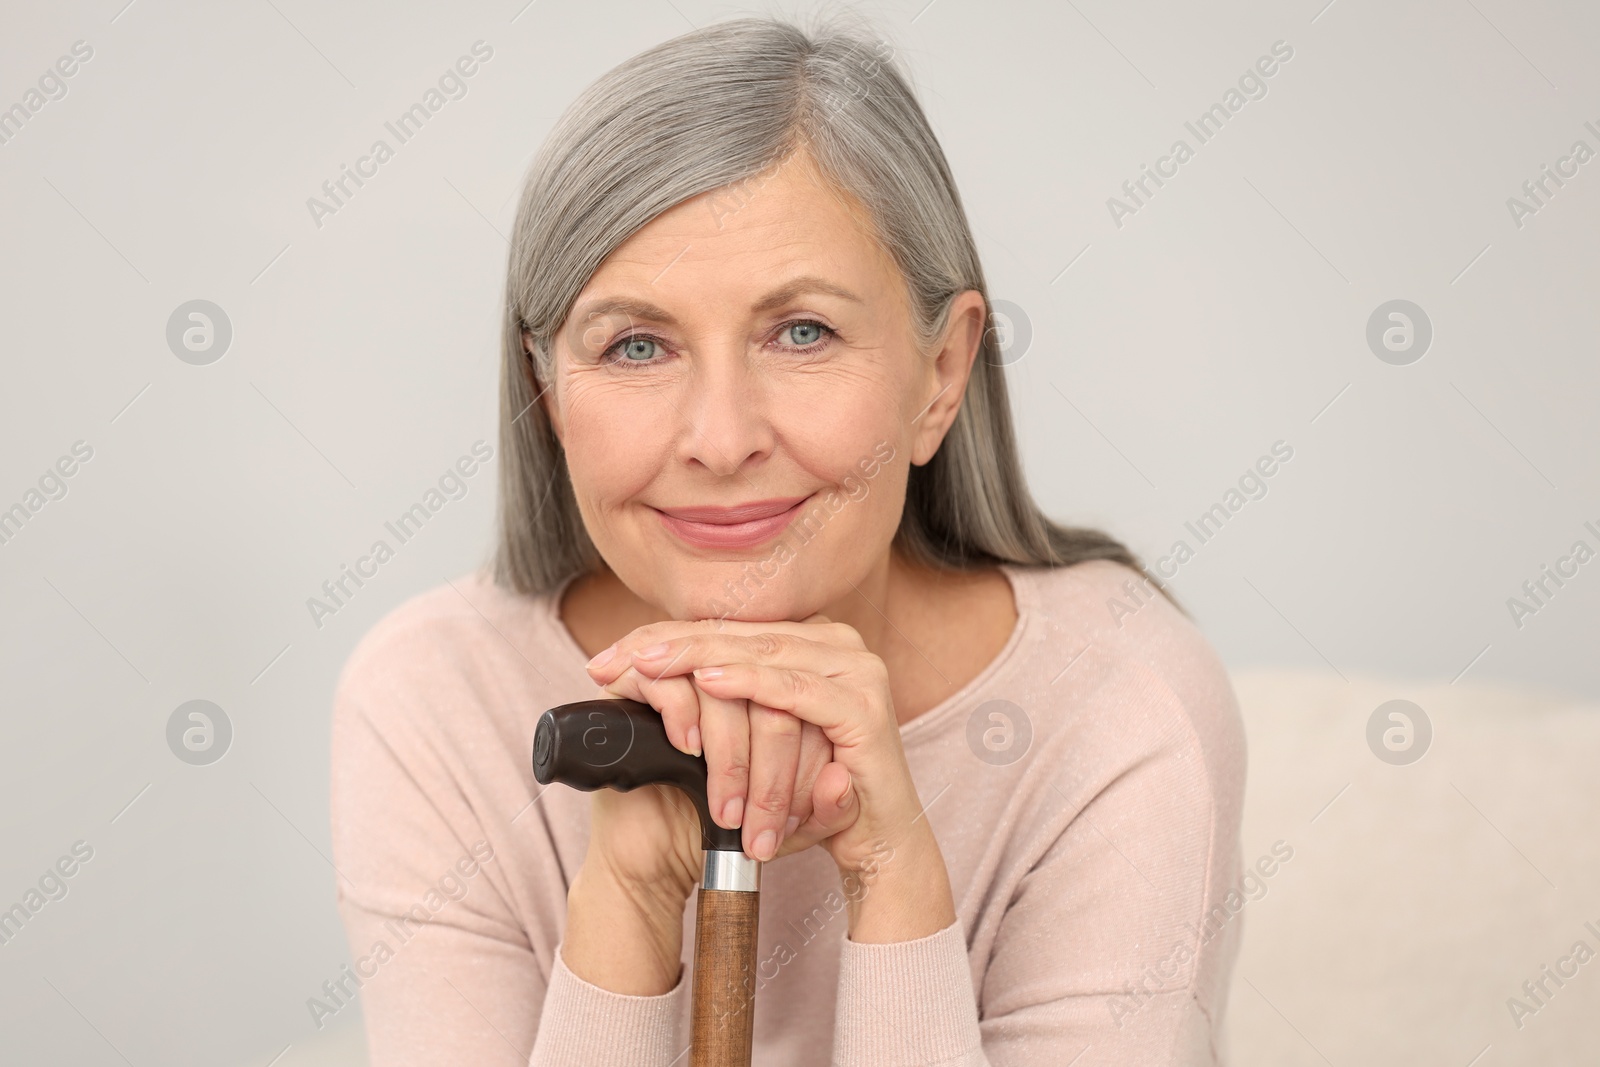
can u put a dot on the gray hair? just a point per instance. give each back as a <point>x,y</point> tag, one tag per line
<point>705,111</point>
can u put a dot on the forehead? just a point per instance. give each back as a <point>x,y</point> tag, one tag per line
<point>788,221</point>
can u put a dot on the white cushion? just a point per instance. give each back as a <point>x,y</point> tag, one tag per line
<point>1422,898</point>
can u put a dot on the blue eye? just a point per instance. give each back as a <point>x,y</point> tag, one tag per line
<point>815,333</point>
<point>815,328</point>
<point>637,349</point>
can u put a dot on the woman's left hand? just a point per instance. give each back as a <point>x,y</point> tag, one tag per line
<point>820,672</point>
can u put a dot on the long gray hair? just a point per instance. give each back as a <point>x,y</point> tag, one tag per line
<point>707,111</point>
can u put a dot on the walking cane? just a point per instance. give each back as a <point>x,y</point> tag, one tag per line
<point>622,744</point>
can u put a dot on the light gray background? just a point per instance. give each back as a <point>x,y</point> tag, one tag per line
<point>1166,356</point>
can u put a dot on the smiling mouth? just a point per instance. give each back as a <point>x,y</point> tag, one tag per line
<point>739,526</point>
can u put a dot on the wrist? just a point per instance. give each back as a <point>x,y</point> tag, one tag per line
<point>621,937</point>
<point>665,891</point>
<point>903,896</point>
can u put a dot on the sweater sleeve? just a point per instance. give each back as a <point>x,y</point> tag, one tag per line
<point>584,1025</point>
<point>1109,950</point>
<point>446,971</point>
<point>907,1002</point>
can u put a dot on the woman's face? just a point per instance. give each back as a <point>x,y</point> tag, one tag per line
<point>751,346</point>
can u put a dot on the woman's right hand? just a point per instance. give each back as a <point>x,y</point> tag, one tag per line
<point>647,840</point>
<point>624,926</point>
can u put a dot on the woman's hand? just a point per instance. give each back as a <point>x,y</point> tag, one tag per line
<point>647,840</point>
<point>763,764</point>
<point>624,924</point>
<point>624,927</point>
<point>821,673</point>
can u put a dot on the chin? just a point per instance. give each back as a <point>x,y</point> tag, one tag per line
<point>752,590</point>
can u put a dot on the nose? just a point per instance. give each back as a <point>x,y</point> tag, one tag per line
<point>725,413</point>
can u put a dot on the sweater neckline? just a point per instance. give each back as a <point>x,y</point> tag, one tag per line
<point>1024,592</point>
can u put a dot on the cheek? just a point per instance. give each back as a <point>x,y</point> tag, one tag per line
<point>858,463</point>
<point>614,439</point>
<point>864,450</point>
<point>880,486</point>
<point>859,410</point>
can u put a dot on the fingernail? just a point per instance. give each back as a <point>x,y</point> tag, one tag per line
<point>694,739</point>
<point>652,652</point>
<point>708,673</point>
<point>732,811</point>
<point>788,827</point>
<point>766,845</point>
<point>603,657</point>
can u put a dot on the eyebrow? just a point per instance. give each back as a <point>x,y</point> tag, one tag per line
<point>642,309</point>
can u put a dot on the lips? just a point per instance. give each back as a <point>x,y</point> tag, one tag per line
<point>738,526</point>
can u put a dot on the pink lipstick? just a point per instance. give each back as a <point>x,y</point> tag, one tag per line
<point>739,526</point>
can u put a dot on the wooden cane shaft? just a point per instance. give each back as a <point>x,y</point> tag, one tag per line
<point>723,1018</point>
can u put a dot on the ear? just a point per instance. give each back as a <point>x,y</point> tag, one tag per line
<point>951,369</point>
<point>542,396</point>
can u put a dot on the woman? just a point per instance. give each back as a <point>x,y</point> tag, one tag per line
<point>757,470</point>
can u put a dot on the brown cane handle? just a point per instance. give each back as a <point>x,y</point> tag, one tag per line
<point>724,978</point>
<point>622,744</point>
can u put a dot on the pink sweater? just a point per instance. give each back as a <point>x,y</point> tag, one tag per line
<point>1093,863</point>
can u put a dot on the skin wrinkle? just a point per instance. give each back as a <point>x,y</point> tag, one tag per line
<point>725,414</point>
